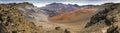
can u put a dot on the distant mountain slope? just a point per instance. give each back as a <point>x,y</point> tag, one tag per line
<point>55,9</point>
<point>74,15</point>
<point>58,8</point>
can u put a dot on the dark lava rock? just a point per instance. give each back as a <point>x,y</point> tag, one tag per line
<point>105,21</point>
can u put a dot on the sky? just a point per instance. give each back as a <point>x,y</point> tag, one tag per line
<point>40,3</point>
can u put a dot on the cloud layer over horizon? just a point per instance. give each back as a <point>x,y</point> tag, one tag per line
<point>40,3</point>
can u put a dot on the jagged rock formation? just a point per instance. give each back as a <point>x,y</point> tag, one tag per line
<point>105,21</point>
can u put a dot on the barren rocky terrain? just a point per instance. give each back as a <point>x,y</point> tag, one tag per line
<point>27,18</point>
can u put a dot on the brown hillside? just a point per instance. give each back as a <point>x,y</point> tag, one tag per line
<point>74,15</point>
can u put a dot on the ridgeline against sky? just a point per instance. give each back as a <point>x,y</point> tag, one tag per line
<point>41,3</point>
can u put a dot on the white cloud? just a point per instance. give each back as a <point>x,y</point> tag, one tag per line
<point>41,3</point>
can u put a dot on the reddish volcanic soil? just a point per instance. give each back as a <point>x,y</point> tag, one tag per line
<point>75,20</point>
<point>82,14</point>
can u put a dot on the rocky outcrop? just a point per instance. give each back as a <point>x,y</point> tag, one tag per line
<point>12,21</point>
<point>105,21</point>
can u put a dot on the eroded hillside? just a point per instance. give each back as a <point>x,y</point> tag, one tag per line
<point>27,18</point>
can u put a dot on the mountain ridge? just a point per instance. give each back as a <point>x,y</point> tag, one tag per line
<point>27,18</point>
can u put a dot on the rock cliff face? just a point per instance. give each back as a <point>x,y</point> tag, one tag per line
<point>105,21</point>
